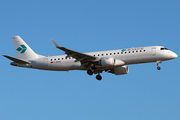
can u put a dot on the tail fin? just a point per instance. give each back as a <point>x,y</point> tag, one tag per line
<point>23,51</point>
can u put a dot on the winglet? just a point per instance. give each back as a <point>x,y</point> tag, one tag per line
<point>55,43</point>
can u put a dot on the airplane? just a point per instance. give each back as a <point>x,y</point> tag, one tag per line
<point>112,61</point>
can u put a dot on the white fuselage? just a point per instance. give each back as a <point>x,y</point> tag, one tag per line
<point>112,61</point>
<point>128,56</point>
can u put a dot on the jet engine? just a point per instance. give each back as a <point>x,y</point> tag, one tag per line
<point>106,62</point>
<point>120,70</point>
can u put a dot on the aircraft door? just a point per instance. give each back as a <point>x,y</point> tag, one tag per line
<point>46,61</point>
<point>153,51</point>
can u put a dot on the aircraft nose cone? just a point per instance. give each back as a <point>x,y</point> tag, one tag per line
<point>174,55</point>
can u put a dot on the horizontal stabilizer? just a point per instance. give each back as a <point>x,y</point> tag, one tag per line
<point>17,60</point>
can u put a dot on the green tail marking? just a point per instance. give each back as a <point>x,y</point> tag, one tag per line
<point>22,49</point>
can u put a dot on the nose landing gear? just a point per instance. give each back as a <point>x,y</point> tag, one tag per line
<point>158,63</point>
<point>158,68</point>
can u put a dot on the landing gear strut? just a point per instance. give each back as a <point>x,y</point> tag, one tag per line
<point>158,63</point>
<point>98,77</point>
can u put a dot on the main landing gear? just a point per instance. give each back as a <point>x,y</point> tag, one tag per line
<point>90,72</point>
<point>158,63</point>
<point>98,77</point>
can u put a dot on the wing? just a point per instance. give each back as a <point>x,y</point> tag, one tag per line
<point>77,55</point>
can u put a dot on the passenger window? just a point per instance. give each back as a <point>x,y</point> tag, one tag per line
<point>51,59</point>
<point>114,53</point>
<point>110,53</point>
<point>129,52</point>
<point>102,54</point>
<point>144,50</point>
<point>106,53</point>
<point>54,59</point>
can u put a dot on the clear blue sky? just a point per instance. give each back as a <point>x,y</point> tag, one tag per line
<point>90,25</point>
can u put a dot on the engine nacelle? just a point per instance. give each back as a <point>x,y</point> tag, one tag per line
<point>120,70</point>
<point>108,62</point>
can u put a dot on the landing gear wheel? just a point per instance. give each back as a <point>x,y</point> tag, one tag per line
<point>90,72</point>
<point>98,77</point>
<point>158,68</point>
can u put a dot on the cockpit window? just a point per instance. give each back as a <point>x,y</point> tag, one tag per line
<point>164,49</point>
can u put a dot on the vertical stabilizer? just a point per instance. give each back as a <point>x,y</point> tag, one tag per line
<point>23,50</point>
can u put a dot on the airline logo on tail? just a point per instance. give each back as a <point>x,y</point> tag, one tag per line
<point>22,49</point>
